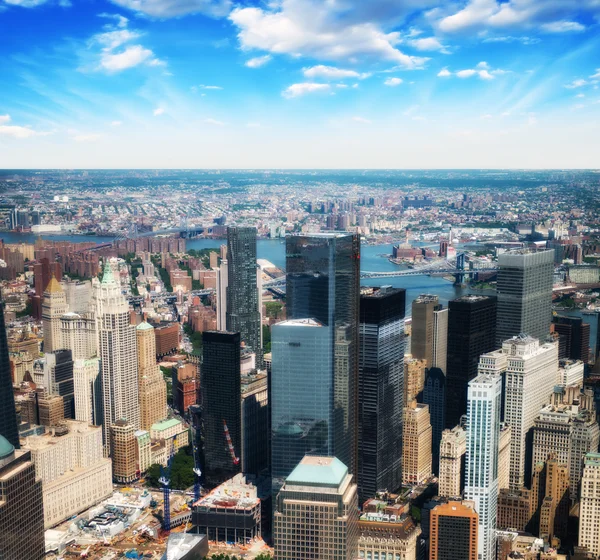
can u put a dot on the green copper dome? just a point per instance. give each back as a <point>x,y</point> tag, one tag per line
<point>6,448</point>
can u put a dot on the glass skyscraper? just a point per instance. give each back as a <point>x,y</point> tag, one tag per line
<point>243,302</point>
<point>381,390</point>
<point>8,415</point>
<point>524,291</point>
<point>323,284</point>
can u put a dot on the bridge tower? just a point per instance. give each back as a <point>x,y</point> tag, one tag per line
<point>460,265</point>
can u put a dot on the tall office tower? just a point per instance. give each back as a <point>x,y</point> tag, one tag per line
<point>381,389</point>
<point>78,294</point>
<point>123,451</point>
<point>453,531</point>
<point>504,456</point>
<point>514,509</point>
<point>414,378</point>
<point>416,444</point>
<point>531,373</point>
<point>221,294</point>
<point>440,338</point>
<point>569,433</point>
<point>118,355</point>
<point>54,305</point>
<point>87,389</point>
<point>60,365</point>
<point>589,507</point>
<point>434,395</point>
<point>21,506</point>
<point>323,283</point>
<point>316,512</point>
<point>302,412</point>
<point>483,435</point>
<point>425,326</point>
<point>152,386</point>
<point>255,451</point>
<point>78,334</point>
<point>574,340</point>
<point>453,448</point>
<point>524,290</point>
<point>550,499</point>
<point>471,332</point>
<point>221,389</point>
<point>243,299</point>
<point>8,415</point>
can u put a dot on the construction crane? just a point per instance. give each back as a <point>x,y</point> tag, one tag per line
<point>236,460</point>
<point>165,481</point>
<point>196,447</point>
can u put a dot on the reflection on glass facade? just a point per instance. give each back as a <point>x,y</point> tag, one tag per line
<point>301,389</point>
<point>323,281</point>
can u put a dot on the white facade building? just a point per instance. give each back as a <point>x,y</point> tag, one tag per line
<point>440,339</point>
<point>589,512</point>
<point>78,334</point>
<point>87,387</point>
<point>54,305</point>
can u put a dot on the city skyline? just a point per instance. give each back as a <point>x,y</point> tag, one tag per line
<point>298,84</point>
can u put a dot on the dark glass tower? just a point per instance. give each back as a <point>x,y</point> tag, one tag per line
<point>434,394</point>
<point>243,312</point>
<point>220,389</point>
<point>380,390</point>
<point>323,283</point>
<point>62,379</point>
<point>471,332</point>
<point>8,415</point>
<point>574,340</point>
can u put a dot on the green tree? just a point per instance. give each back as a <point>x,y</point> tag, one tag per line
<point>266,332</point>
<point>152,476</point>
<point>273,309</point>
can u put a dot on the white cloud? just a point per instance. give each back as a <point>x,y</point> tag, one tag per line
<point>296,90</point>
<point>19,132</point>
<point>25,3</point>
<point>563,27</point>
<point>428,44</point>
<point>596,76</point>
<point>116,123</point>
<point>341,86</point>
<point>158,112</point>
<point>444,73</point>
<point>201,86</point>
<point>120,21</point>
<point>392,82</point>
<point>466,73</point>
<point>361,120</point>
<point>258,61</point>
<point>482,70</point>
<point>4,119</point>
<point>577,106</point>
<point>576,84</point>
<point>331,73</point>
<point>176,8</point>
<point>307,28</point>
<point>130,57</point>
<point>214,122</point>
<point>580,95</point>
<point>87,137</point>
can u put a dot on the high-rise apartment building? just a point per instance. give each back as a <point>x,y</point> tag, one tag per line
<point>323,283</point>
<point>54,305</point>
<point>221,389</point>
<point>152,386</point>
<point>21,505</point>
<point>381,389</point>
<point>453,448</point>
<point>531,373</point>
<point>8,415</point>
<point>483,435</point>
<point>471,333</point>
<point>118,355</point>
<point>524,291</point>
<point>316,512</point>
<point>589,507</point>
<point>453,531</point>
<point>416,444</point>
<point>243,298</point>
<point>434,395</point>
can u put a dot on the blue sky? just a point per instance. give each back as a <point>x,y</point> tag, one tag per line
<point>299,83</point>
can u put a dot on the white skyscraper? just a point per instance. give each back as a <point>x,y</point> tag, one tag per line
<point>483,433</point>
<point>531,373</point>
<point>222,282</point>
<point>118,355</point>
<point>589,512</point>
<point>54,305</point>
<point>440,338</point>
<point>78,333</point>
<point>87,387</point>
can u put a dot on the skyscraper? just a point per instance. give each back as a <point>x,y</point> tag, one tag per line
<point>427,329</point>
<point>221,294</point>
<point>21,505</point>
<point>221,403</point>
<point>8,415</point>
<point>434,395</point>
<point>381,389</point>
<point>60,365</point>
<point>483,434</point>
<point>440,338</point>
<point>589,509</point>
<point>78,334</point>
<point>416,444</point>
<point>54,305</point>
<point>453,533</point>
<point>243,299</point>
<point>152,386</point>
<point>301,394</point>
<point>323,283</point>
<point>471,332</point>
<point>118,355</point>
<point>452,451</point>
<point>531,373</point>
<point>316,512</point>
<point>574,338</point>
<point>550,499</point>
<point>524,291</point>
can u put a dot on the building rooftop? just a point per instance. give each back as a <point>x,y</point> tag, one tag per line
<point>165,424</point>
<point>144,326</point>
<point>301,323</point>
<point>318,471</point>
<point>235,493</point>
<point>6,448</point>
